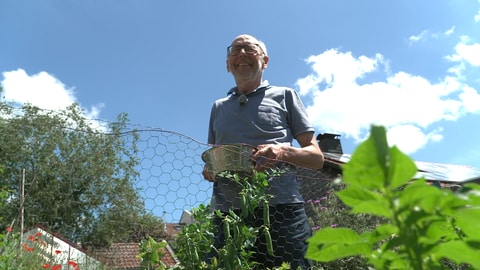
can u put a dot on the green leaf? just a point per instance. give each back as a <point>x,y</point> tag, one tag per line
<point>437,232</point>
<point>459,252</point>
<point>378,139</point>
<point>472,190</point>
<point>419,191</point>
<point>364,201</point>
<point>337,251</point>
<point>401,169</point>
<point>330,244</point>
<point>388,260</point>
<point>468,220</point>
<point>375,165</point>
<point>367,166</point>
<point>383,232</point>
<point>334,235</point>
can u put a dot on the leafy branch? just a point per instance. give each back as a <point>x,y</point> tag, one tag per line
<point>425,224</point>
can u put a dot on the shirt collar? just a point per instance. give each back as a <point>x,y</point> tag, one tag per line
<point>233,91</point>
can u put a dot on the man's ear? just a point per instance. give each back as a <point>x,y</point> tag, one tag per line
<point>228,68</point>
<point>265,62</point>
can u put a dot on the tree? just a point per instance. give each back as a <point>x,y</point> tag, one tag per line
<point>79,179</point>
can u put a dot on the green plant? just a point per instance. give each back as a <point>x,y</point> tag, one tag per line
<point>196,240</point>
<point>9,241</point>
<point>29,254</point>
<point>9,244</point>
<point>240,236</point>
<point>425,225</point>
<point>151,254</point>
<point>328,211</point>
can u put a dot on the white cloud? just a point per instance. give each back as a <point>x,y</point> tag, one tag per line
<point>426,34</point>
<point>420,37</point>
<point>449,31</point>
<point>470,99</point>
<point>42,90</point>
<point>407,105</point>
<point>469,53</point>
<point>410,138</point>
<point>341,69</point>
<point>465,54</point>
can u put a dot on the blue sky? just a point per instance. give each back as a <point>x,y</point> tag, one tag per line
<point>412,66</point>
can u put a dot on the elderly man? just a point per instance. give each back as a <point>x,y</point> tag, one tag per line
<point>269,118</point>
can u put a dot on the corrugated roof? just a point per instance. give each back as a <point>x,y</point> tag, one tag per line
<point>448,173</point>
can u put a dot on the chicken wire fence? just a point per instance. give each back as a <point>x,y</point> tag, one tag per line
<point>170,173</point>
<point>171,181</point>
<point>170,169</point>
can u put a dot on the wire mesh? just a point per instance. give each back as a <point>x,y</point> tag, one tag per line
<point>168,172</point>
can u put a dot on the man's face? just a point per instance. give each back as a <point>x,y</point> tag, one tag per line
<point>245,59</point>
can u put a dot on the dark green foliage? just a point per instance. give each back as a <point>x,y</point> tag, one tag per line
<point>79,177</point>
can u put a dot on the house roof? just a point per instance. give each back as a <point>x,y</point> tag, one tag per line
<point>186,217</point>
<point>53,242</point>
<point>40,228</point>
<point>118,255</point>
<point>446,173</point>
<point>172,229</point>
<point>124,256</point>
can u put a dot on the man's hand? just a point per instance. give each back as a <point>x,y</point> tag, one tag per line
<point>267,156</point>
<point>208,174</point>
<point>308,155</point>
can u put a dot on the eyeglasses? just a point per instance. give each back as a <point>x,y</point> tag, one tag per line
<point>250,48</point>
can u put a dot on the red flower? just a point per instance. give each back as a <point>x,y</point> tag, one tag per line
<point>74,265</point>
<point>57,267</point>
<point>9,229</point>
<point>58,251</point>
<point>46,265</point>
<point>25,247</point>
<point>31,238</point>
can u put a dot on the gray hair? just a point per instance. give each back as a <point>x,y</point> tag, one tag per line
<point>263,46</point>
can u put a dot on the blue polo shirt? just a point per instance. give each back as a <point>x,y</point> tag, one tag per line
<point>269,114</point>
